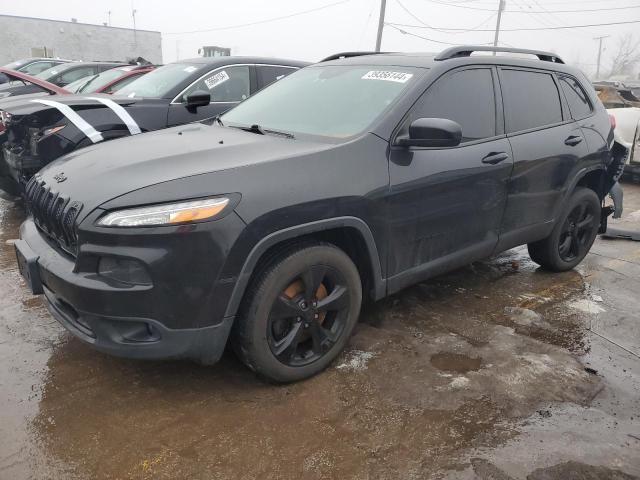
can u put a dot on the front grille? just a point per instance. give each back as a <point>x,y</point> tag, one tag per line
<point>54,213</point>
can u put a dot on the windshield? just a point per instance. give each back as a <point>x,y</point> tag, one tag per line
<point>17,64</point>
<point>53,71</point>
<point>160,82</point>
<point>92,84</point>
<point>332,101</point>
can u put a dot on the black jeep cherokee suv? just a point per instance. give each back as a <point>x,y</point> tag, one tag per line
<point>355,176</point>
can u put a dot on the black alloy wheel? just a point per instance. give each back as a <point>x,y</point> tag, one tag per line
<point>309,316</point>
<point>575,235</point>
<point>298,312</point>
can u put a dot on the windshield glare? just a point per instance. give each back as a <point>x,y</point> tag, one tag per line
<point>332,101</point>
<point>51,72</point>
<point>88,85</point>
<point>160,82</point>
<point>16,64</point>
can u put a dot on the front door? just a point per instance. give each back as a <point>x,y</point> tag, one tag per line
<point>446,204</point>
<point>228,86</point>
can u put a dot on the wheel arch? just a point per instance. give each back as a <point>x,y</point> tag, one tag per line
<point>351,234</point>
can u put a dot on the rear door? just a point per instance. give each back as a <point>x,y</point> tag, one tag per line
<point>446,204</point>
<point>228,86</point>
<point>583,113</point>
<point>547,146</point>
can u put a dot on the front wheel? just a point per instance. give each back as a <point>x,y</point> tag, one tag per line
<point>573,235</point>
<point>298,313</point>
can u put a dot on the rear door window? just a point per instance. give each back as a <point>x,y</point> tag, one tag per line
<point>466,97</point>
<point>267,74</point>
<point>578,101</point>
<point>531,100</point>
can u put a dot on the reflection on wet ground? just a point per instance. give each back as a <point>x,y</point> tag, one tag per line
<point>447,368</point>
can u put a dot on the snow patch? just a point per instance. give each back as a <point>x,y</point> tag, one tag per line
<point>459,382</point>
<point>356,360</point>
<point>587,306</point>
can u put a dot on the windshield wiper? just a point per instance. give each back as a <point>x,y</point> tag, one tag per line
<point>218,120</point>
<point>255,128</point>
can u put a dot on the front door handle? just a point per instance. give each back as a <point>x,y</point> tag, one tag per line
<point>573,140</point>
<point>494,158</point>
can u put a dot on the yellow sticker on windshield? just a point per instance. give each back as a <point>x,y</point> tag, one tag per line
<point>399,77</point>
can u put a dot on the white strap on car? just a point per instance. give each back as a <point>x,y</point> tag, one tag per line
<point>131,124</point>
<point>82,125</point>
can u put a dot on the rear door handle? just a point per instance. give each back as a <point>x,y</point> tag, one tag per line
<point>573,140</point>
<point>494,157</point>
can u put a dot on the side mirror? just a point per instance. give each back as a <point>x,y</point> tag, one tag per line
<point>196,99</point>
<point>432,132</point>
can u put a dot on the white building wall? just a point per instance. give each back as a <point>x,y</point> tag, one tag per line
<point>75,41</point>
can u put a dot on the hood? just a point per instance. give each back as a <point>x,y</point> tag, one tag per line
<point>23,105</point>
<point>97,174</point>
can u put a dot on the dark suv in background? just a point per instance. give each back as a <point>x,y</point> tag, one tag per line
<point>360,175</point>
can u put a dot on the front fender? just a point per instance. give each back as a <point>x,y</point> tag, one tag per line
<point>379,286</point>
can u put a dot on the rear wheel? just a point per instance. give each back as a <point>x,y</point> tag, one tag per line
<point>298,313</point>
<point>573,234</point>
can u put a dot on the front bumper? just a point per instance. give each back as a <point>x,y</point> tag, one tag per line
<point>116,319</point>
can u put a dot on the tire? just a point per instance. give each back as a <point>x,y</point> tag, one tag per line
<point>287,329</point>
<point>573,235</point>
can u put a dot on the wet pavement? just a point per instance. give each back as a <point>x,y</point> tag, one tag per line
<point>496,371</point>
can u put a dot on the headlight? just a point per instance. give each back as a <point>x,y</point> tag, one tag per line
<point>166,214</point>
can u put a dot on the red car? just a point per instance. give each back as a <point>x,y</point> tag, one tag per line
<point>47,87</point>
<point>109,81</point>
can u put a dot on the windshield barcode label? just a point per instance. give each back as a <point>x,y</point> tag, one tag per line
<point>399,77</point>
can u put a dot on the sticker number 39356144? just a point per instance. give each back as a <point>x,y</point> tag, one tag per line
<point>216,79</point>
<point>399,77</point>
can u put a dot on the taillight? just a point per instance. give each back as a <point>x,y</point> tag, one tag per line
<point>613,120</point>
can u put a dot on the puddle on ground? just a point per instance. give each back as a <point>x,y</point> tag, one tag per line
<point>455,363</point>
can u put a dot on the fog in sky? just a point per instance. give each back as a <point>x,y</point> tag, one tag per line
<point>316,28</point>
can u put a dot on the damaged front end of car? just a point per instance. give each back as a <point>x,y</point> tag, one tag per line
<point>32,140</point>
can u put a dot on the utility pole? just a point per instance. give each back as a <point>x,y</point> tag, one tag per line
<point>109,18</point>
<point>501,5</point>
<point>135,34</point>
<point>599,54</point>
<point>383,7</point>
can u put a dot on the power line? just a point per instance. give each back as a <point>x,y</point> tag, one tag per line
<point>544,10</point>
<point>259,22</point>
<point>561,27</point>
<point>444,30</point>
<point>456,5</point>
<point>404,32</point>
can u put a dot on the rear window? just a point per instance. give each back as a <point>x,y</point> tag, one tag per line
<point>578,101</point>
<point>531,100</point>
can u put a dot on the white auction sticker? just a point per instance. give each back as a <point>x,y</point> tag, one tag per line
<point>216,80</point>
<point>399,77</point>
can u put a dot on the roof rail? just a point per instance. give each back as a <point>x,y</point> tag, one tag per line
<point>337,56</point>
<point>467,50</point>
